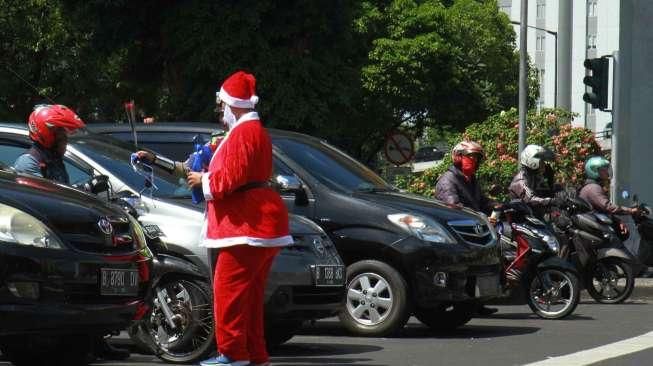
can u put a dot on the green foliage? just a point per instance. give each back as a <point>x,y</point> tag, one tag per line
<point>348,71</point>
<point>499,137</point>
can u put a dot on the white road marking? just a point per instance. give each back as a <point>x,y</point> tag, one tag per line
<point>602,353</point>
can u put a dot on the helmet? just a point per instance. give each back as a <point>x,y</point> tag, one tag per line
<point>46,118</point>
<point>593,164</point>
<point>466,148</point>
<point>532,155</point>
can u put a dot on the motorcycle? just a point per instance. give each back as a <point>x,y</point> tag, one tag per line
<point>532,269</point>
<point>644,224</point>
<point>592,242</point>
<point>177,325</point>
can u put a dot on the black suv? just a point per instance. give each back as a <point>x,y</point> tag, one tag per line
<point>72,268</point>
<point>405,254</point>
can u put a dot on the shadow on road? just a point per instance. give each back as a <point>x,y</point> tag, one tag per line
<point>522,316</point>
<point>309,354</point>
<point>327,328</point>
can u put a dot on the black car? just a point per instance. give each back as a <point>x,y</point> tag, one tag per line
<point>72,268</point>
<point>405,253</point>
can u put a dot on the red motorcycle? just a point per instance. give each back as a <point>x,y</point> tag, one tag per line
<point>532,269</point>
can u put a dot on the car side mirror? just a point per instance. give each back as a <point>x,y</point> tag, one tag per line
<point>288,183</point>
<point>291,184</point>
<point>98,184</point>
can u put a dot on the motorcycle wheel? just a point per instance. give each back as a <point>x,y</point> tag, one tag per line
<point>554,294</point>
<point>193,339</point>
<point>446,317</point>
<point>610,281</point>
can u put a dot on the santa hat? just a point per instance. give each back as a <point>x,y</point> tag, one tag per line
<point>239,90</point>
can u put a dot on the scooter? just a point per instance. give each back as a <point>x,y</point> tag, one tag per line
<point>592,244</point>
<point>177,326</point>
<point>644,224</point>
<point>532,269</point>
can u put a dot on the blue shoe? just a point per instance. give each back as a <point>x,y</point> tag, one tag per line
<point>223,360</point>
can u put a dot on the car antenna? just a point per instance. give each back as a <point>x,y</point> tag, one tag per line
<point>28,84</point>
<point>131,117</point>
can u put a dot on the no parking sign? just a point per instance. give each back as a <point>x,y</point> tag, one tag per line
<point>398,148</point>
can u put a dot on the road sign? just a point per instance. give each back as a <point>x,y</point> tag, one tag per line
<point>398,148</point>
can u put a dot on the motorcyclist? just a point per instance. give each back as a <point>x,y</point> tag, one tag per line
<point>534,183</point>
<point>459,186</point>
<point>598,174</point>
<point>49,127</point>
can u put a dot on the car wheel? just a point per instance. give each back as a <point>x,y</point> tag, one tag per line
<point>446,317</point>
<point>376,302</point>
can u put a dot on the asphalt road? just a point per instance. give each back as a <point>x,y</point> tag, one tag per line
<point>513,336</point>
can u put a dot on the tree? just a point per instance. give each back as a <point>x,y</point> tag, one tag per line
<point>498,134</point>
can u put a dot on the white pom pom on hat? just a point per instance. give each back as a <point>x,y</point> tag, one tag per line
<point>239,90</point>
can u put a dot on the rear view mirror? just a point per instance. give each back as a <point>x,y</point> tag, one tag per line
<point>625,194</point>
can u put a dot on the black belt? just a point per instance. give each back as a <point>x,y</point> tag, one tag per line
<point>251,185</point>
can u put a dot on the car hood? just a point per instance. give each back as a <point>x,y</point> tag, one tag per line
<point>71,212</point>
<point>299,225</point>
<point>408,202</point>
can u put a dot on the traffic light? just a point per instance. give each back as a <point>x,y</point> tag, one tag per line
<point>598,81</point>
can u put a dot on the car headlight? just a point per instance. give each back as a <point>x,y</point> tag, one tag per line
<point>19,227</point>
<point>422,227</point>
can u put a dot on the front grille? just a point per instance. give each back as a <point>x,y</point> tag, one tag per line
<point>472,231</point>
<point>120,241</point>
<point>310,295</point>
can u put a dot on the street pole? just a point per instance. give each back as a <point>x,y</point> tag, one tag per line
<point>523,75</point>
<point>563,54</point>
<point>616,129</point>
<point>555,66</point>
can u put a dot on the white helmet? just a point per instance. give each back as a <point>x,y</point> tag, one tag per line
<point>533,155</point>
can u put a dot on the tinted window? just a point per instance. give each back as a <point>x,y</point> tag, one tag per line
<point>176,145</point>
<point>331,166</point>
<point>10,151</point>
<point>115,158</point>
<point>428,153</point>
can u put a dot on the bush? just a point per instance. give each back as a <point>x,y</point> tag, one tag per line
<point>499,137</point>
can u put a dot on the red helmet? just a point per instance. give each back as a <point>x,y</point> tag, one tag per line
<point>466,148</point>
<point>46,118</point>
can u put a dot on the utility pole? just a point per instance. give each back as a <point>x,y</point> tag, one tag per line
<point>563,55</point>
<point>523,75</point>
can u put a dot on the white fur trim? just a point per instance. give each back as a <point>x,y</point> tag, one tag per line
<point>206,187</point>
<point>237,102</point>
<point>281,241</point>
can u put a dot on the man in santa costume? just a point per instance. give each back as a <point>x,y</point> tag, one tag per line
<point>246,220</point>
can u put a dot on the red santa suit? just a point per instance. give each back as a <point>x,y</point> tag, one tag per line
<point>248,221</point>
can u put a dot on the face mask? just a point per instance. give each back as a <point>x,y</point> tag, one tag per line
<point>469,166</point>
<point>228,117</point>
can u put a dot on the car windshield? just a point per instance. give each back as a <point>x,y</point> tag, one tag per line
<point>330,166</point>
<point>115,156</point>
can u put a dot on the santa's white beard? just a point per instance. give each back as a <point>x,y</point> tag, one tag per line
<point>228,117</point>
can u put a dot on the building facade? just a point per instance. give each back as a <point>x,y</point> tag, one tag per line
<point>595,33</point>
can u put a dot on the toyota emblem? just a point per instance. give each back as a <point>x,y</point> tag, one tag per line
<point>105,226</point>
<point>478,229</point>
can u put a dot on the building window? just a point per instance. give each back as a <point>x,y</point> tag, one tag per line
<point>591,8</point>
<point>591,41</point>
<point>541,10</point>
<point>539,43</point>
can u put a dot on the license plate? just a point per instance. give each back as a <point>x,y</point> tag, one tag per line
<point>329,275</point>
<point>487,286</point>
<point>118,282</point>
